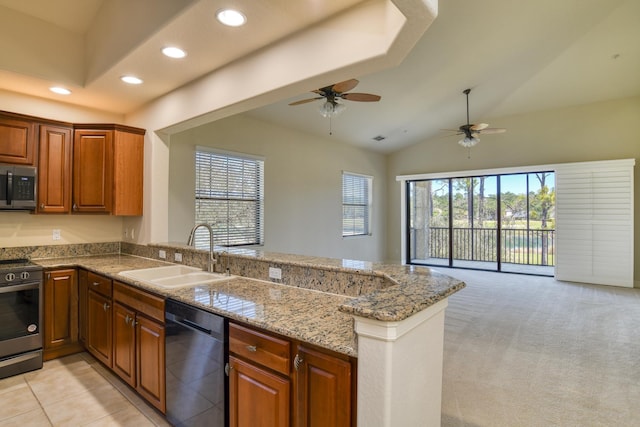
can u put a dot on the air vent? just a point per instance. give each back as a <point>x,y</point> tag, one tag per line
<point>379,138</point>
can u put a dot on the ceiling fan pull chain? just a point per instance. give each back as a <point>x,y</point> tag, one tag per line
<point>330,128</point>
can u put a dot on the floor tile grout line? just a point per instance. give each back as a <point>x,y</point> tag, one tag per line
<point>114,381</point>
<point>24,377</point>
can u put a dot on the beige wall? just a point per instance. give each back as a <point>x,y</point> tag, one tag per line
<point>24,229</point>
<point>303,182</point>
<point>601,131</point>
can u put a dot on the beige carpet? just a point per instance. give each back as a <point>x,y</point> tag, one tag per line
<point>531,351</point>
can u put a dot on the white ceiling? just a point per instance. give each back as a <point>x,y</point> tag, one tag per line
<point>516,56</point>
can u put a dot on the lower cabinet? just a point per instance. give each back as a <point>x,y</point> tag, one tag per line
<point>138,342</point>
<point>277,382</point>
<point>323,389</point>
<point>99,338</point>
<point>60,313</point>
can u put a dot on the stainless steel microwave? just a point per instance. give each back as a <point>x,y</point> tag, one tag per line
<point>18,187</point>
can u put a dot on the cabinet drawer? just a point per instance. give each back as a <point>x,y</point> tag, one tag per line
<point>139,300</point>
<point>99,284</point>
<point>254,346</point>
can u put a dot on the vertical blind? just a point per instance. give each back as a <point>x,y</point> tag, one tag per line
<point>356,204</point>
<point>229,197</point>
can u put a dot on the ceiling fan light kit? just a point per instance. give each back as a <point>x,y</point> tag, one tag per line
<point>331,109</point>
<point>472,132</point>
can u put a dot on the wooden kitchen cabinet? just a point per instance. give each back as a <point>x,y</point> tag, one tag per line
<point>257,396</point>
<point>99,318</point>
<point>323,389</point>
<point>138,342</point>
<point>317,389</point>
<point>108,163</point>
<point>54,169</point>
<point>259,384</point>
<point>17,139</point>
<point>60,314</point>
<point>83,289</point>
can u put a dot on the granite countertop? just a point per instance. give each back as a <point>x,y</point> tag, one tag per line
<point>321,318</point>
<point>302,314</point>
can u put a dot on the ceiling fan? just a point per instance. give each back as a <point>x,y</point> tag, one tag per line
<point>333,93</point>
<point>471,131</point>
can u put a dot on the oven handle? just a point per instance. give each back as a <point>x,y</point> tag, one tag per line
<point>16,288</point>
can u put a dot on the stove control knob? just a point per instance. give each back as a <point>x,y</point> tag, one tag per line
<point>24,275</point>
<point>10,277</point>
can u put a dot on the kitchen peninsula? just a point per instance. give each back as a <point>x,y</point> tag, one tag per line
<point>389,317</point>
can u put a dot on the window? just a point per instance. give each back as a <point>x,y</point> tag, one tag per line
<point>229,197</point>
<point>356,204</point>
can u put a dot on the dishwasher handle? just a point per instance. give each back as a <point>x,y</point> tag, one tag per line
<point>189,324</point>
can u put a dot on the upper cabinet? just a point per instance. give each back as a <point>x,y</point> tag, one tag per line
<point>108,163</point>
<point>86,168</point>
<point>54,166</point>
<point>17,140</point>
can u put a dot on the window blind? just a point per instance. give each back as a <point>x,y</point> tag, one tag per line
<point>229,197</point>
<point>356,204</point>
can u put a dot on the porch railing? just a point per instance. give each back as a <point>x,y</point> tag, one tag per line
<point>517,246</point>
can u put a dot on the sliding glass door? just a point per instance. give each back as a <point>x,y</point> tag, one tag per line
<point>492,222</point>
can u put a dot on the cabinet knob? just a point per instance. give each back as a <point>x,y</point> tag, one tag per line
<point>106,306</point>
<point>75,207</point>
<point>126,319</point>
<point>41,205</point>
<point>297,361</point>
<point>252,348</point>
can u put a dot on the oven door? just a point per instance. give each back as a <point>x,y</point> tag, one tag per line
<point>20,318</point>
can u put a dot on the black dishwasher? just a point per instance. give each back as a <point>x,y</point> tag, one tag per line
<point>195,359</point>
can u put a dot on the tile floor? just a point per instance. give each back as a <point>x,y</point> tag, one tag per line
<point>72,391</point>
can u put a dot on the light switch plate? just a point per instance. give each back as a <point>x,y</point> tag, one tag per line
<point>178,257</point>
<point>162,254</point>
<point>56,234</point>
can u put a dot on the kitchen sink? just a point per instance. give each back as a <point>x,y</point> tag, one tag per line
<point>174,276</point>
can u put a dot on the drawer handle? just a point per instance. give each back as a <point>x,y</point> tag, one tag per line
<point>297,361</point>
<point>96,284</point>
<point>252,348</point>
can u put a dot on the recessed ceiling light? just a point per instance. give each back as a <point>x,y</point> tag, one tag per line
<point>132,80</point>
<point>231,17</point>
<point>174,52</point>
<point>60,90</point>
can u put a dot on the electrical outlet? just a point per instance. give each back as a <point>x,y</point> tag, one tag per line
<point>133,236</point>
<point>275,273</point>
<point>162,254</point>
<point>56,234</point>
<point>178,257</point>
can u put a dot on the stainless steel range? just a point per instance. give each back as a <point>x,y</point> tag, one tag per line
<point>20,317</point>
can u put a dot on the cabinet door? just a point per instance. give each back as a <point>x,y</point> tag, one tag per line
<point>83,288</point>
<point>99,327</point>
<point>17,141</point>
<point>60,313</point>
<point>54,169</point>
<point>124,343</point>
<point>128,172</point>
<point>92,171</point>
<point>151,361</point>
<point>323,389</point>
<point>257,398</point>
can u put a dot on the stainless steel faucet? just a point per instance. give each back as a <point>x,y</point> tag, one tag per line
<point>191,242</point>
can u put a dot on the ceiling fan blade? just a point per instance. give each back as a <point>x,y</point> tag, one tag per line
<point>304,101</point>
<point>479,126</point>
<point>488,131</point>
<point>344,86</point>
<point>362,97</point>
